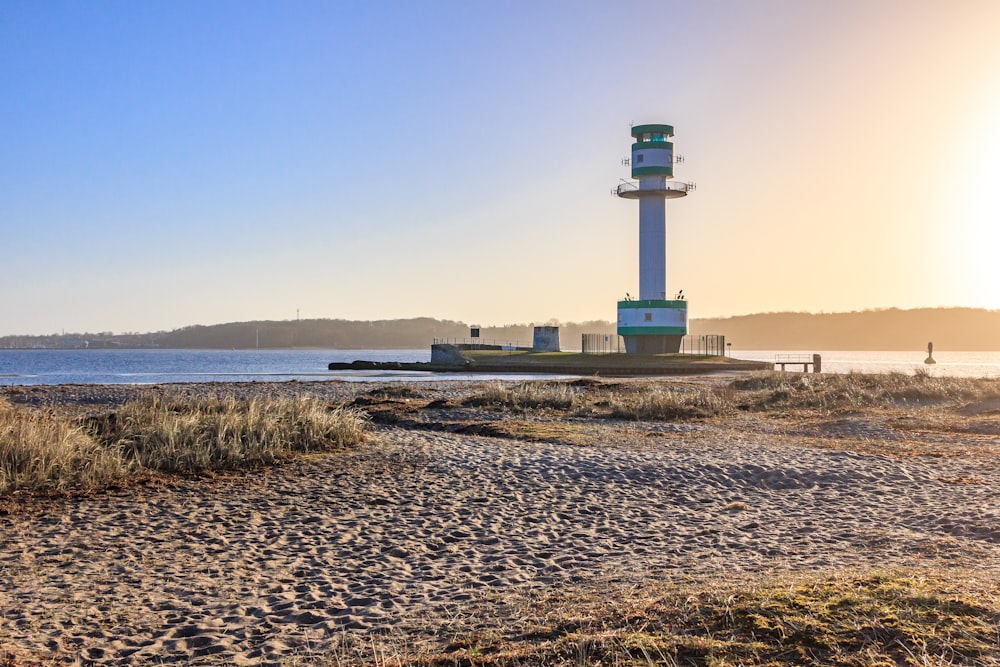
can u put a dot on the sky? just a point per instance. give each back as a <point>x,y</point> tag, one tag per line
<point>164,164</point>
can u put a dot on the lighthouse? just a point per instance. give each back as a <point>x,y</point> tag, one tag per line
<point>652,323</point>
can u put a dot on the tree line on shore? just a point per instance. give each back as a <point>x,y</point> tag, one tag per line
<point>955,329</point>
<point>888,329</point>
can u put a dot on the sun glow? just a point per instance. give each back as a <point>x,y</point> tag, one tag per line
<point>975,227</point>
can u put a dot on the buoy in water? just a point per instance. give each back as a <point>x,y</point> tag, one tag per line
<point>930,354</point>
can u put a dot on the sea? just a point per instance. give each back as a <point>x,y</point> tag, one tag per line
<point>47,367</point>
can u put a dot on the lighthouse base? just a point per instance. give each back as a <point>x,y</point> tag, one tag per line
<point>652,344</point>
<point>652,326</point>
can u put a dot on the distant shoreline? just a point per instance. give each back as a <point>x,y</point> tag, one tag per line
<point>951,329</point>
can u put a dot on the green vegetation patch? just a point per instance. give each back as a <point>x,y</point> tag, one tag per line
<point>863,620</point>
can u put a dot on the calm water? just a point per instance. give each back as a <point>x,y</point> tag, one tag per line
<point>25,367</point>
<point>955,364</point>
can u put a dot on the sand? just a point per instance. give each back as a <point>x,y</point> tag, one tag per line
<point>422,534</point>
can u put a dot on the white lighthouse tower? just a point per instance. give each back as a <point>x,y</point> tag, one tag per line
<point>653,324</point>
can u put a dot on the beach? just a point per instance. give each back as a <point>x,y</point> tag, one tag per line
<point>458,520</point>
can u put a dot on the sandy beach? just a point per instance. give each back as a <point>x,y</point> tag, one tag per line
<point>431,532</point>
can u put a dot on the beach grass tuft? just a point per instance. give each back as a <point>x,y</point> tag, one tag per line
<point>391,391</point>
<point>43,450</point>
<point>180,435</point>
<point>40,449</point>
<point>524,396</point>
<point>665,404</point>
<point>860,390</point>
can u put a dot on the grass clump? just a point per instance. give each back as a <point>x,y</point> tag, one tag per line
<point>40,449</point>
<point>873,619</point>
<point>395,391</point>
<point>664,404</point>
<point>853,621</point>
<point>524,396</point>
<point>176,435</point>
<point>530,431</point>
<point>860,390</point>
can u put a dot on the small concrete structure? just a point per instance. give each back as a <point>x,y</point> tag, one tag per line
<point>546,339</point>
<point>446,355</point>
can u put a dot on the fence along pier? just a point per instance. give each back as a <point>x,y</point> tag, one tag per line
<point>708,345</point>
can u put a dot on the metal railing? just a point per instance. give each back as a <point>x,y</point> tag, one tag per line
<point>601,344</point>
<point>793,358</point>
<point>676,186</point>
<point>782,361</point>
<point>710,345</point>
<point>478,343</point>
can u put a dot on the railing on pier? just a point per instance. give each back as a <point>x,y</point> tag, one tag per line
<point>804,360</point>
<point>601,344</point>
<point>710,345</point>
<point>478,343</point>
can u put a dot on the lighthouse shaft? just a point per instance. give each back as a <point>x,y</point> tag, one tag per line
<point>652,248</point>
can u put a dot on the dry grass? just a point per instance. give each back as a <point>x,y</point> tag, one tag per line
<point>567,433</point>
<point>176,435</point>
<point>772,391</point>
<point>392,391</point>
<point>762,391</point>
<point>882,619</point>
<point>967,405</point>
<point>525,396</point>
<point>665,404</point>
<point>43,450</point>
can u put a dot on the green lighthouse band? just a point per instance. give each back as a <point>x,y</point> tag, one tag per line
<point>652,171</point>
<point>653,146</point>
<point>653,127</point>
<point>675,324</point>
<point>645,304</point>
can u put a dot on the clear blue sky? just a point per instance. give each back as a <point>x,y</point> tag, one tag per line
<point>174,163</point>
